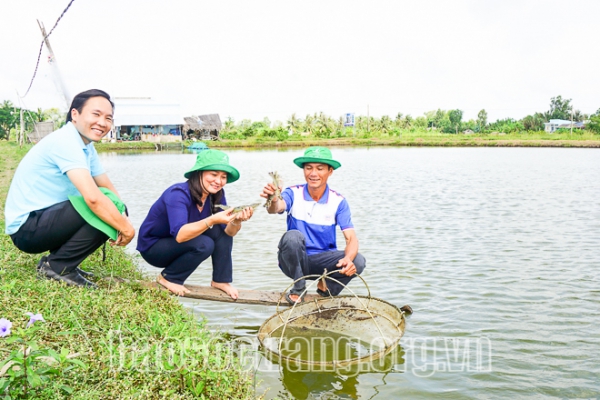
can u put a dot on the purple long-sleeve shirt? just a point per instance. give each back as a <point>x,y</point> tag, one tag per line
<point>173,209</point>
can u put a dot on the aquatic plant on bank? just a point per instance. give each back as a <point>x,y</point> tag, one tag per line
<point>121,341</point>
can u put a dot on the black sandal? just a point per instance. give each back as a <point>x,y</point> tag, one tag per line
<point>324,293</point>
<point>298,301</point>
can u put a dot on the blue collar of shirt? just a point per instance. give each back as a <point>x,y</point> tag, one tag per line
<point>71,128</point>
<point>322,200</point>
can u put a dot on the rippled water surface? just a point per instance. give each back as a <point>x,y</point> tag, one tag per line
<point>496,250</point>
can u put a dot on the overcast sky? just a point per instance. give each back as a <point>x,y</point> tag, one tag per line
<point>256,59</point>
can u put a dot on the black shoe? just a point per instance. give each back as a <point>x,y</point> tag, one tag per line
<point>42,260</point>
<point>83,273</point>
<point>71,279</point>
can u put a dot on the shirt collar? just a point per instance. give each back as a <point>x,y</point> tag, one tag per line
<point>322,200</point>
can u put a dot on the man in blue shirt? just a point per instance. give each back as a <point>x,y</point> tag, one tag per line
<point>39,216</point>
<point>314,210</point>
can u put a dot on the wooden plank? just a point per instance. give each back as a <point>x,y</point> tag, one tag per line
<point>262,297</point>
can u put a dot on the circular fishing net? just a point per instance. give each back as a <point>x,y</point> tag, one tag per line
<point>332,331</point>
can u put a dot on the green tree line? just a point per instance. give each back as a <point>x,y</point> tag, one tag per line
<point>444,121</point>
<point>323,126</point>
<point>10,118</point>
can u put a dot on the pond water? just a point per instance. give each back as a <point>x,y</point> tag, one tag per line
<point>496,250</point>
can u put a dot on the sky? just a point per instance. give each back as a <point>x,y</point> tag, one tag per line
<point>271,58</point>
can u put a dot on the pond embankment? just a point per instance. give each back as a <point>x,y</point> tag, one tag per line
<point>116,342</point>
<point>439,140</point>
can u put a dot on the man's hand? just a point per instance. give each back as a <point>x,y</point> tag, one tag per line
<point>276,206</point>
<point>125,236</point>
<point>347,266</point>
<point>269,190</point>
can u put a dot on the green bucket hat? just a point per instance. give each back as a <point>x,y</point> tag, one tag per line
<point>214,160</point>
<point>317,154</point>
<point>82,208</point>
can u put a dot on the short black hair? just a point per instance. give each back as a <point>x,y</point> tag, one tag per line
<point>82,98</point>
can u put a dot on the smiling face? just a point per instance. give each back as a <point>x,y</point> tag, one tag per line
<point>213,181</point>
<point>316,175</point>
<point>95,119</point>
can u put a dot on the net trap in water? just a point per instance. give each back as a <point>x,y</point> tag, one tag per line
<point>333,332</point>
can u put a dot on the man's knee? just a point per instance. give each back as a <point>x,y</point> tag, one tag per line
<point>291,239</point>
<point>360,263</point>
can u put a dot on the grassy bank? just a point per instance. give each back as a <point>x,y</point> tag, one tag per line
<point>418,140</point>
<point>113,343</point>
<point>407,138</point>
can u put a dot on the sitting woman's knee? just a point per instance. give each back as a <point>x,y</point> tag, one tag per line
<point>202,244</point>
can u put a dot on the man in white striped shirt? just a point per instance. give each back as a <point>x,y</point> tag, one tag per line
<point>313,212</point>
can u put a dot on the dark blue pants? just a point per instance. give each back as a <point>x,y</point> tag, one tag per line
<point>62,231</point>
<point>179,260</point>
<point>295,263</point>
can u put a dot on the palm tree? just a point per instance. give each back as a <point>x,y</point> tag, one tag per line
<point>309,124</point>
<point>293,124</point>
<point>39,115</point>
<point>385,124</point>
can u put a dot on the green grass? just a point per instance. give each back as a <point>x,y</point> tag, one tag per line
<point>404,138</point>
<point>132,342</point>
<point>129,145</point>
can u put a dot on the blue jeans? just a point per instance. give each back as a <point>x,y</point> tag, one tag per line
<point>295,263</point>
<point>179,260</point>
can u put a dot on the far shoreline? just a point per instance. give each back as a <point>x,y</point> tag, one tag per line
<point>413,141</point>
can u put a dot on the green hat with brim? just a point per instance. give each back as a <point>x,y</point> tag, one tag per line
<point>214,160</point>
<point>317,154</point>
<point>82,208</point>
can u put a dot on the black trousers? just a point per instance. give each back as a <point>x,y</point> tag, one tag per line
<point>62,231</point>
<point>295,263</point>
<point>179,260</point>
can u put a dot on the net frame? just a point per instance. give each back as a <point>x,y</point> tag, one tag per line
<point>385,316</point>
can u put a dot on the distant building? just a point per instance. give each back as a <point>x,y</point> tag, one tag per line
<point>141,118</point>
<point>40,131</point>
<point>203,127</point>
<point>555,124</point>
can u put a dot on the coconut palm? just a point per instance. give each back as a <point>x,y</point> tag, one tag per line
<point>385,124</point>
<point>309,124</point>
<point>293,124</point>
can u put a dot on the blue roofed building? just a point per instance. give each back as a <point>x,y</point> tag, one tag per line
<point>554,124</point>
<point>142,118</point>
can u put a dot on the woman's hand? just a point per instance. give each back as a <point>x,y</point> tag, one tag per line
<point>243,215</point>
<point>223,217</point>
<point>236,223</point>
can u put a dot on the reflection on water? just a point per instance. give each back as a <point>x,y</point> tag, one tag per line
<point>316,346</point>
<point>496,250</point>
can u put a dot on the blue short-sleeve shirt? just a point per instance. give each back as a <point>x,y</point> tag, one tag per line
<point>41,180</point>
<point>316,219</point>
<point>173,209</point>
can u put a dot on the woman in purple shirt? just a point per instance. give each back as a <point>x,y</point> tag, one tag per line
<point>184,227</point>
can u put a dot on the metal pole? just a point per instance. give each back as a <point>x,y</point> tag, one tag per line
<point>571,121</point>
<point>21,135</point>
